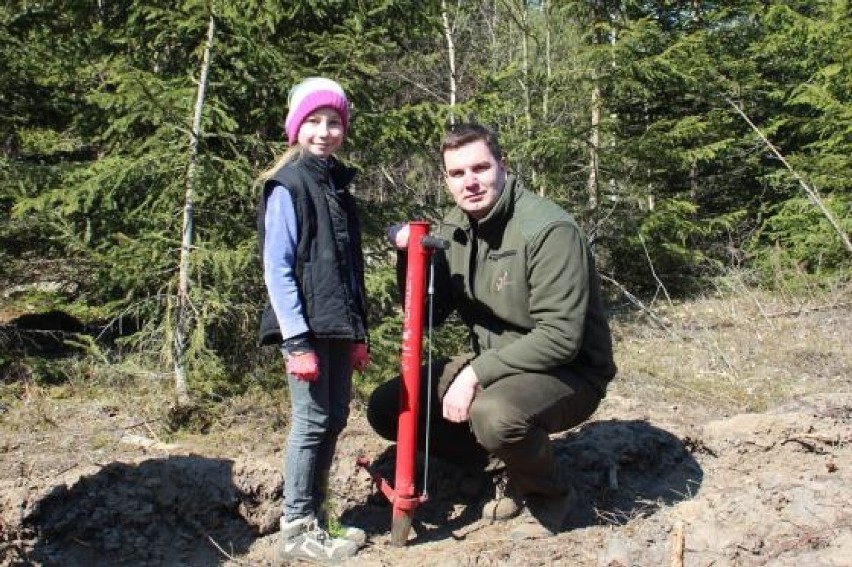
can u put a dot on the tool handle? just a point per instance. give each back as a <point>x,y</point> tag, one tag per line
<point>434,242</point>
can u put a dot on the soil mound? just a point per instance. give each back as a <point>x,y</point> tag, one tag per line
<point>752,489</point>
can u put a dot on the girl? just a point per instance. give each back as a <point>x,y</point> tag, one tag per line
<point>314,273</point>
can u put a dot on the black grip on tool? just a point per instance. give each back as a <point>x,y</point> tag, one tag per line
<point>435,242</point>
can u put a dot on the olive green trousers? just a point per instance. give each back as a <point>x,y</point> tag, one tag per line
<point>511,419</point>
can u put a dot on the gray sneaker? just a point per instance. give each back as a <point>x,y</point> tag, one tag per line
<point>545,517</point>
<point>303,538</point>
<point>351,533</point>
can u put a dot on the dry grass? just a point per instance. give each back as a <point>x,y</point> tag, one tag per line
<point>740,350</point>
<point>737,350</point>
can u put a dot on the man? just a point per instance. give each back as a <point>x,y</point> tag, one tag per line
<point>520,274</point>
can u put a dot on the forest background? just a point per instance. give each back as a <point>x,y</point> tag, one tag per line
<point>693,140</point>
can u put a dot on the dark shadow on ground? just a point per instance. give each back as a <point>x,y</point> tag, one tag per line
<point>171,511</point>
<point>621,470</point>
<point>624,469</point>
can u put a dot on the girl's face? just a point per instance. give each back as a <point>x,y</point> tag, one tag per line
<point>322,132</point>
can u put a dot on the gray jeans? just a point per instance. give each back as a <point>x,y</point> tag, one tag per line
<point>511,419</point>
<point>319,411</point>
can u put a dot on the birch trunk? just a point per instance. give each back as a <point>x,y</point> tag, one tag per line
<point>545,101</point>
<point>593,184</point>
<point>451,57</point>
<point>183,317</point>
<point>526,84</point>
<point>594,149</point>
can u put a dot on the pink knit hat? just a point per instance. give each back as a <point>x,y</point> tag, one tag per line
<point>310,95</point>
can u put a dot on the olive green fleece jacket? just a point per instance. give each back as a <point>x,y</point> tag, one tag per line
<point>523,280</point>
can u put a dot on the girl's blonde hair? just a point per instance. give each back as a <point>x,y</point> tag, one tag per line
<point>293,153</point>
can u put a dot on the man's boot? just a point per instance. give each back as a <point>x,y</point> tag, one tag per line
<point>507,504</point>
<point>545,516</point>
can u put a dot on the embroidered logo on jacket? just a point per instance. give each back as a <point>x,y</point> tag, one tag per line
<point>502,281</point>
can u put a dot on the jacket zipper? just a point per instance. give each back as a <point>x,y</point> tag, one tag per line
<point>479,253</point>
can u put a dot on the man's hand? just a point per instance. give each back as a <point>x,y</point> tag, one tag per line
<point>459,396</point>
<point>359,356</point>
<point>398,235</point>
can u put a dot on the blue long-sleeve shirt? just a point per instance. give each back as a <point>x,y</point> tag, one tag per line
<point>279,262</point>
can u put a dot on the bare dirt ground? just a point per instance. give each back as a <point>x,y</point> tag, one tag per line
<point>725,440</point>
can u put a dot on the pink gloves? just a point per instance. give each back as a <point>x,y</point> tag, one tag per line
<point>360,356</point>
<point>302,362</point>
<point>303,366</point>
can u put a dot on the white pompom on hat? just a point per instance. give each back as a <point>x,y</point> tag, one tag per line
<point>307,97</point>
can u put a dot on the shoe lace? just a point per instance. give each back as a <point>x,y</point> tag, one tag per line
<point>501,485</point>
<point>317,531</point>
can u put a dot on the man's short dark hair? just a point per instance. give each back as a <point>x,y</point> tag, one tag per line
<point>464,134</point>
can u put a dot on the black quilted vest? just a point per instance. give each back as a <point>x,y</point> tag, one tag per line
<point>328,250</point>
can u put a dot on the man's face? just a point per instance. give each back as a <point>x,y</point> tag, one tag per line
<point>475,177</point>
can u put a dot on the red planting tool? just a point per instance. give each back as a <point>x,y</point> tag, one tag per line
<point>403,495</point>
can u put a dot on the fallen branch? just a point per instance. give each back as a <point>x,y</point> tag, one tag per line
<point>660,284</point>
<point>638,303</point>
<point>803,310</point>
<point>809,446</point>
<point>145,442</point>
<point>677,550</point>
<point>227,555</point>
<point>141,423</point>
